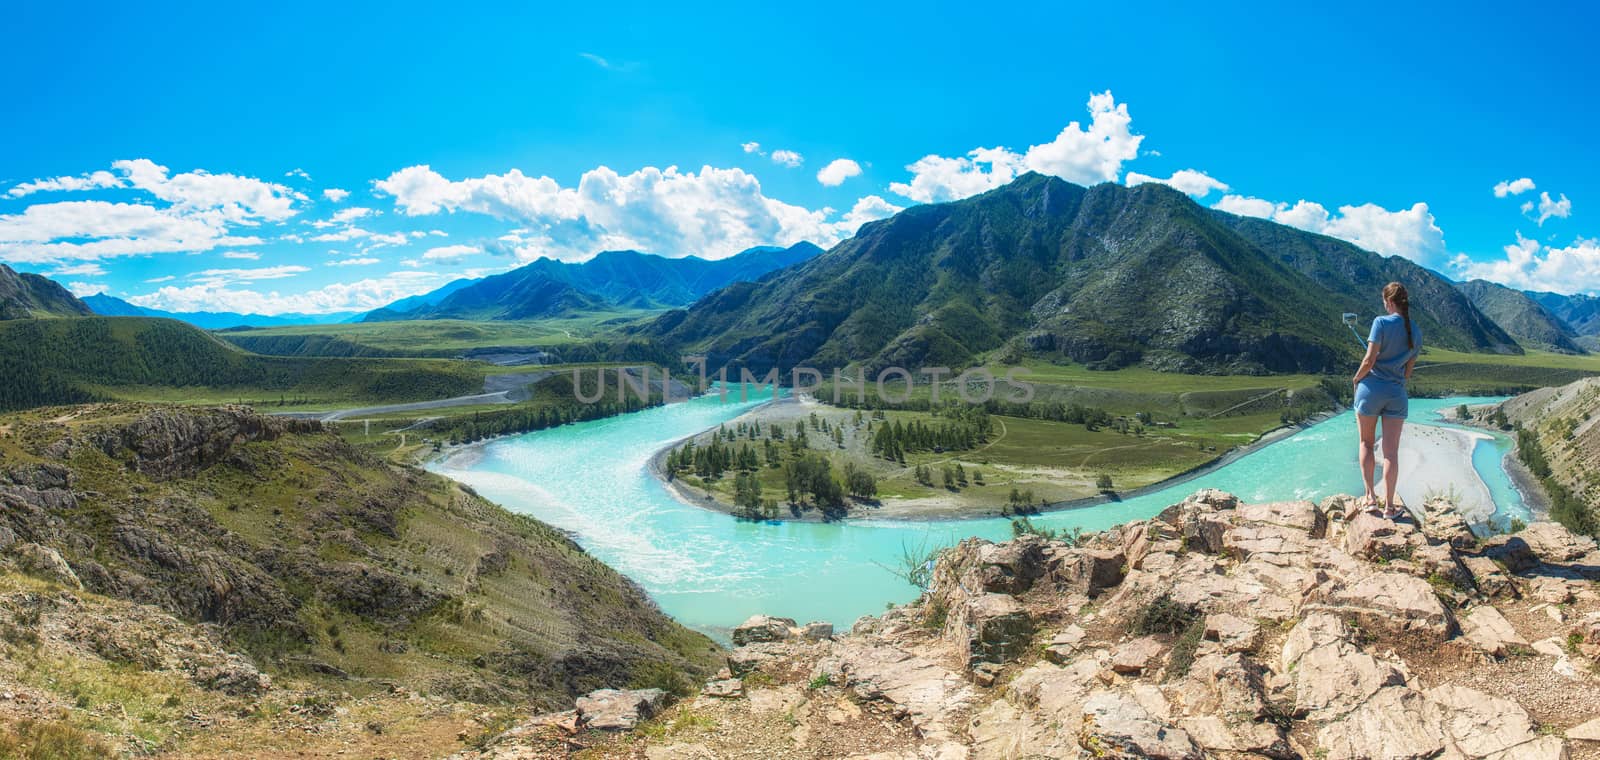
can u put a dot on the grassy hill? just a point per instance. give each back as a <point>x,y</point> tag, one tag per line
<point>1108,276</point>
<point>198,546</point>
<point>1558,439</point>
<point>25,295</point>
<point>70,360</point>
<point>1521,316</point>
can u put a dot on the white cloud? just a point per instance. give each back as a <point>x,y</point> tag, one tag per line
<point>1527,208</point>
<point>219,277</point>
<point>1085,155</point>
<point>354,296</point>
<point>359,262</point>
<point>868,209</point>
<point>712,213</point>
<point>94,181</point>
<point>163,278</point>
<point>200,213</point>
<point>79,270</point>
<point>1549,208</point>
<point>335,194</point>
<point>298,172</point>
<point>1512,187</point>
<point>348,233</point>
<point>837,171</point>
<point>451,252</point>
<point>1528,265</point>
<point>752,147</point>
<point>1411,232</point>
<point>787,158</point>
<point>352,213</point>
<point>82,289</point>
<point>249,255</point>
<point>1187,181</point>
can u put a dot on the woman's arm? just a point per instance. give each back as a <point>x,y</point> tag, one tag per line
<point>1410,365</point>
<point>1366,363</point>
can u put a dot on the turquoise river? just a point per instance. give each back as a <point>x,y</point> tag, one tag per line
<point>711,571</point>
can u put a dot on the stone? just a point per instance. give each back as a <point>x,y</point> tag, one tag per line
<point>1490,579</point>
<point>45,562</point>
<point>1139,656</point>
<point>1011,567</point>
<point>990,628</point>
<point>1102,569</point>
<point>1589,732</point>
<point>750,657</point>
<point>1553,590</point>
<point>1586,634</point>
<point>929,695</point>
<point>233,676</point>
<point>727,688</point>
<point>1489,631</point>
<point>1117,726</point>
<point>1330,675</point>
<point>1235,634</point>
<point>1373,538</point>
<point>985,673</point>
<point>1552,543</point>
<point>1301,516</point>
<point>1479,725</point>
<point>1397,722</point>
<point>1395,603</point>
<point>1442,523</point>
<point>817,631</point>
<point>1512,552</point>
<point>618,709</point>
<point>761,628</point>
<point>1064,645</point>
<point>1551,647</point>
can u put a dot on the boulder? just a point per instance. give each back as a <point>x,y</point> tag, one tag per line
<point>233,676</point>
<point>1117,726</point>
<point>1490,579</point>
<point>1331,675</point>
<point>1397,722</point>
<point>1553,544</point>
<point>1234,634</point>
<point>45,562</point>
<point>990,628</point>
<point>726,688</point>
<point>817,631</point>
<point>1010,567</point>
<point>1302,516</point>
<point>618,709</point>
<point>1064,645</point>
<point>1139,656</point>
<point>1441,522</point>
<point>1394,603</point>
<point>1512,552</point>
<point>750,657</point>
<point>1586,635</point>
<point>1373,538</point>
<point>1102,569</point>
<point>1489,631</point>
<point>761,628</point>
<point>1479,725</point>
<point>1589,732</point>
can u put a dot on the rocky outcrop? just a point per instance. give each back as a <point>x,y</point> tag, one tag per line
<point>1217,630</point>
<point>170,443</point>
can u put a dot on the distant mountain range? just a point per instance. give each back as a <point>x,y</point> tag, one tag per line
<point>612,279</point>
<point>24,295</point>
<point>111,306</point>
<point>1108,276</point>
<point>1523,316</point>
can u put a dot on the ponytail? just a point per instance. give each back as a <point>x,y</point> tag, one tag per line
<point>1395,293</point>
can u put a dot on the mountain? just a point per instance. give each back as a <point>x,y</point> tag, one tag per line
<point>111,306</point>
<point>1580,312</point>
<point>1108,276</point>
<point>71,360</point>
<point>1521,316</point>
<point>24,295</point>
<point>612,279</point>
<point>207,559</point>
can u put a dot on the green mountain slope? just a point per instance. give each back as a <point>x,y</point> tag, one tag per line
<point>1353,280</point>
<point>24,295</point>
<point>1108,276</point>
<point>1521,316</point>
<point>320,561</point>
<point>58,361</point>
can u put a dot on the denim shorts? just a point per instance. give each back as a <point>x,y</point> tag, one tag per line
<point>1381,398</point>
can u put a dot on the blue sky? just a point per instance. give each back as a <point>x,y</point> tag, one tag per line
<point>182,156</point>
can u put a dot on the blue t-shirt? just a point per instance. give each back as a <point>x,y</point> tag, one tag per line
<point>1389,335</point>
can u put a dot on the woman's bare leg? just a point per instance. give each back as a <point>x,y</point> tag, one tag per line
<point>1367,426</point>
<point>1391,457</point>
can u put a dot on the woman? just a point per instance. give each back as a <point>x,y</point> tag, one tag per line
<point>1392,349</point>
